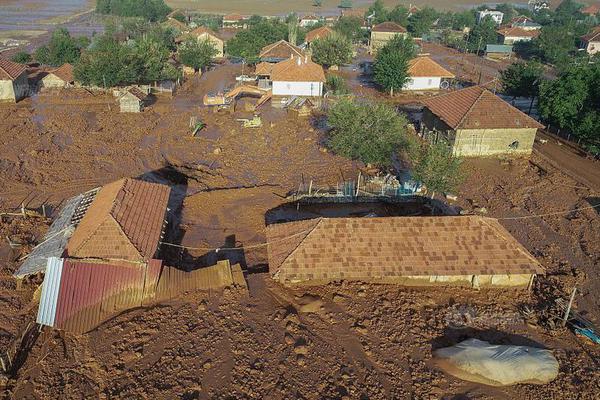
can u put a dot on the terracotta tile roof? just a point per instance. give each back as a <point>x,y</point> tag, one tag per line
<point>65,72</point>
<point>591,10</point>
<point>280,49</point>
<point>426,67</point>
<point>124,221</point>
<point>137,93</point>
<point>297,69</point>
<point>10,70</point>
<point>233,17</point>
<point>594,36</point>
<point>318,33</point>
<point>363,248</point>
<point>202,30</point>
<point>517,32</point>
<point>263,68</point>
<point>477,108</point>
<point>388,27</point>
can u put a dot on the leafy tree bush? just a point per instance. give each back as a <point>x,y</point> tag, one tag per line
<point>337,85</point>
<point>436,167</point>
<point>151,10</point>
<point>522,80</point>
<point>22,57</point>
<point>369,132</point>
<point>61,49</point>
<point>351,27</point>
<point>334,49</point>
<point>390,70</point>
<point>483,33</point>
<point>379,12</point>
<point>248,42</point>
<point>572,102</point>
<point>420,22</point>
<point>197,54</point>
<point>399,15</point>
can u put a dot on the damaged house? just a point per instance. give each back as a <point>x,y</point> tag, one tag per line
<point>458,250</point>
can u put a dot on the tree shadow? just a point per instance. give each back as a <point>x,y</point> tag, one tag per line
<point>455,335</point>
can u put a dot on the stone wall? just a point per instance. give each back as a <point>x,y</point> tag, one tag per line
<point>490,142</point>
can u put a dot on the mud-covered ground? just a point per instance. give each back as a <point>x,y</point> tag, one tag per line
<point>353,341</point>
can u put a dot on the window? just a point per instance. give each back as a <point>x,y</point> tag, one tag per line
<point>514,145</point>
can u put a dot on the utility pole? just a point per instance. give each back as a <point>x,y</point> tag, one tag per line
<point>568,309</point>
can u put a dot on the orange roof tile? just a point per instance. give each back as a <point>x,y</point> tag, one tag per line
<point>297,69</point>
<point>201,30</point>
<point>65,72</point>
<point>233,17</point>
<point>318,33</point>
<point>280,49</point>
<point>124,221</point>
<point>363,248</point>
<point>263,68</point>
<point>517,32</point>
<point>426,67</point>
<point>477,108</point>
<point>10,70</point>
<point>591,10</point>
<point>388,27</point>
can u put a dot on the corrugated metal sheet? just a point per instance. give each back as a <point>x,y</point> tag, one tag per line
<point>55,240</point>
<point>80,295</point>
<point>50,288</point>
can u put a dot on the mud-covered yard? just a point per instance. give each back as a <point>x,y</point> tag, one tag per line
<point>355,341</point>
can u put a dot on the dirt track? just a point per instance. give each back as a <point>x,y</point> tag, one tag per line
<point>367,341</point>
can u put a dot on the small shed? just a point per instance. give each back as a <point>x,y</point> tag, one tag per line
<point>62,77</point>
<point>133,100</point>
<point>14,84</point>
<point>498,51</point>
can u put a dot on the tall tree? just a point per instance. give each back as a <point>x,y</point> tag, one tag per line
<point>391,63</point>
<point>197,54</point>
<point>248,42</point>
<point>420,22</point>
<point>399,15</point>
<point>61,49</point>
<point>483,33</point>
<point>523,80</point>
<point>351,27</point>
<point>152,10</point>
<point>378,11</point>
<point>369,132</point>
<point>436,167</point>
<point>334,49</point>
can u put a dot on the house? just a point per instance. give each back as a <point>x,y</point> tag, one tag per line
<point>525,23</point>
<point>133,100</point>
<point>234,21</point>
<point>124,221</point>
<point>309,20</point>
<point>62,77</point>
<point>279,51</point>
<point>441,250</point>
<point>297,76</point>
<point>202,33</point>
<point>498,51</point>
<point>426,74</point>
<point>383,33</point>
<point>591,42</point>
<point>318,33</point>
<point>176,24</point>
<point>80,294</point>
<point>538,5</point>
<point>496,16</point>
<point>14,84</point>
<point>591,10</point>
<point>511,35</point>
<point>476,122</point>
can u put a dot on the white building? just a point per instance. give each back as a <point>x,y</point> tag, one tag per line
<point>297,76</point>
<point>426,74</point>
<point>496,16</point>
<point>309,20</point>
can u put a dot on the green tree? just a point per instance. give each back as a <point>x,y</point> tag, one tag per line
<point>508,10</point>
<point>369,132</point>
<point>22,57</point>
<point>197,54</point>
<point>351,27</point>
<point>378,11</point>
<point>42,55</point>
<point>556,43</point>
<point>464,19</point>
<point>390,70</point>
<point>483,33</point>
<point>293,28</point>
<point>248,42</point>
<point>523,80</point>
<point>399,15</point>
<point>436,167</point>
<point>334,49</point>
<point>151,10</point>
<point>572,102</point>
<point>420,22</point>
<point>61,49</point>
<point>336,85</point>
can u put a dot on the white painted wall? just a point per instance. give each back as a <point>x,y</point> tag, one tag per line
<point>513,39</point>
<point>423,83</point>
<point>281,88</point>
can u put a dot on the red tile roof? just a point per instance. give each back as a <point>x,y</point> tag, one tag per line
<point>426,67</point>
<point>517,32</point>
<point>477,108</point>
<point>65,72</point>
<point>233,17</point>
<point>297,69</point>
<point>124,221</point>
<point>593,36</point>
<point>280,49</point>
<point>388,27</point>
<point>10,70</point>
<point>363,248</point>
<point>318,33</point>
<point>201,30</point>
<point>591,10</point>
<point>263,68</point>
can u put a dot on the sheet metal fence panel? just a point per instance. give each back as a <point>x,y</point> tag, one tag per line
<point>50,290</point>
